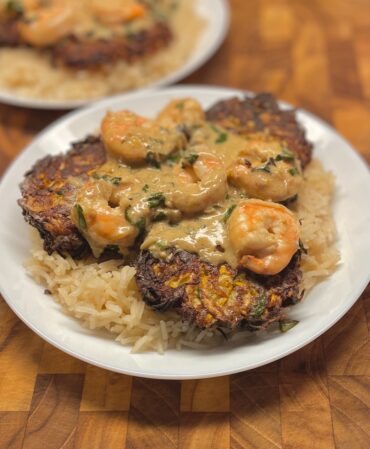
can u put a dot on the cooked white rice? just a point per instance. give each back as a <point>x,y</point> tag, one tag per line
<point>29,73</point>
<point>105,295</point>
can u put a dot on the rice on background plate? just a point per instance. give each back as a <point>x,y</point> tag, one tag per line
<point>105,295</point>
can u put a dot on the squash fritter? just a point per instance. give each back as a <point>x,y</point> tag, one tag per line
<point>49,190</point>
<point>212,296</point>
<point>258,114</point>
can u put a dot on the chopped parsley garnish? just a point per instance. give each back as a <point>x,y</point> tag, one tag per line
<point>293,171</point>
<point>286,325</point>
<point>222,136</point>
<point>145,188</point>
<point>190,160</point>
<point>152,159</point>
<point>156,200</point>
<point>229,212</point>
<point>161,245</point>
<point>139,224</point>
<point>180,106</point>
<point>115,180</point>
<point>81,217</point>
<point>265,167</point>
<point>174,157</point>
<point>259,307</point>
<point>285,155</point>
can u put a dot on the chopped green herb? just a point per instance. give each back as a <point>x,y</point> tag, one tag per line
<point>190,160</point>
<point>80,217</point>
<point>116,180</point>
<point>174,157</point>
<point>140,224</point>
<point>180,106</point>
<point>152,159</point>
<point>265,167</point>
<point>285,155</point>
<point>156,200</point>
<point>229,212</point>
<point>293,171</point>
<point>222,137</point>
<point>145,188</point>
<point>161,245</point>
<point>14,6</point>
<point>259,307</point>
<point>286,325</point>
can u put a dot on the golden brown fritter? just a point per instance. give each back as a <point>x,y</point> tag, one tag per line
<point>212,296</point>
<point>49,191</point>
<point>261,113</point>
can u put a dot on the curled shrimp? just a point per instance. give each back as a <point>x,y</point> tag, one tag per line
<point>132,137</point>
<point>200,184</point>
<point>100,223</point>
<point>46,24</point>
<point>182,111</point>
<point>266,170</point>
<point>263,235</point>
<point>113,12</point>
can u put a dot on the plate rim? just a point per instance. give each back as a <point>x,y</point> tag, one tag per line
<point>185,70</point>
<point>155,375</point>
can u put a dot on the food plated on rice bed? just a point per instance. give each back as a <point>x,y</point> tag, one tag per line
<point>67,50</point>
<point>188,229</point>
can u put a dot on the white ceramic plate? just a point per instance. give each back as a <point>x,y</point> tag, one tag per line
<point>216,15</point>
<point>324,305</point>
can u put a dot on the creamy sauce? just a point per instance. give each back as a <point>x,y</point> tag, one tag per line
<point>185,199</point>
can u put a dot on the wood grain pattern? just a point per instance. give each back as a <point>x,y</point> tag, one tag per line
<point>204,430</point>
<point>154,414</point>
<point>12,428</point>
<point>316,55</point>
<point>206,395</point>
<point>101,430</point>
<point>105,391</point>
<point>350,402</point>
<point>54,412</point>
<point>255,411</point>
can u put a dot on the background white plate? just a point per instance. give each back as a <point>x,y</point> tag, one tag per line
<point>324,305</point>
<point>216,14</point>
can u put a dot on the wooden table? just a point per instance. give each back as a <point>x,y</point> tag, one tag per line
<point>314,54</point>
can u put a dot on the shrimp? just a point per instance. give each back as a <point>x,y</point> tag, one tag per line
<point>133,138</point>
<point>266,170</point>
<point>263,235</point>
<point>199,185</point>
<point>114,12</point>
<point>100,223</point>
<point>49,23</point>
<point>182,111</point>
